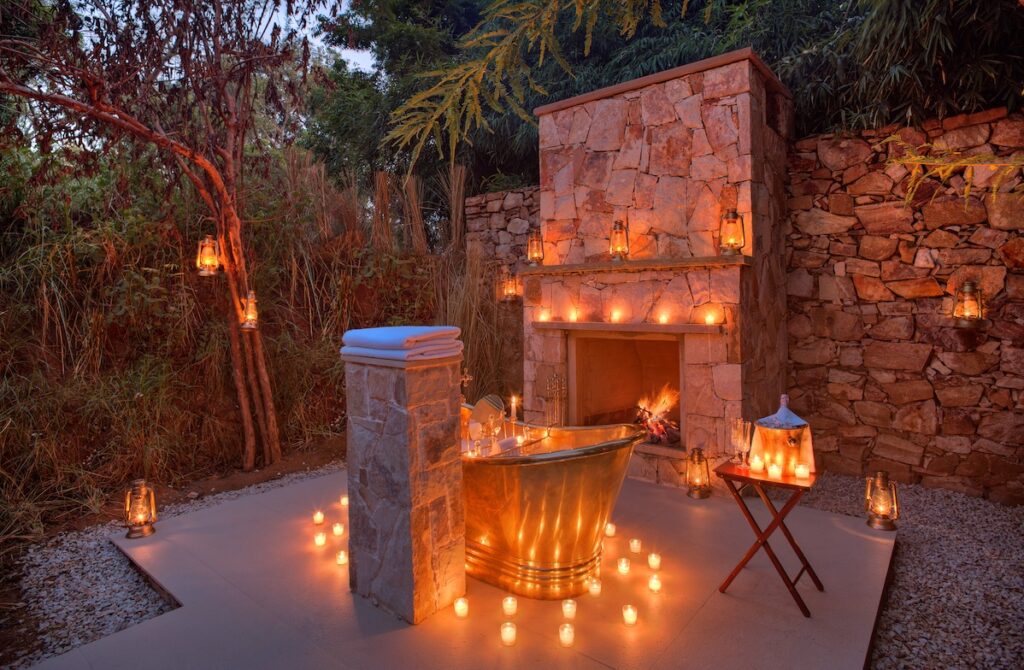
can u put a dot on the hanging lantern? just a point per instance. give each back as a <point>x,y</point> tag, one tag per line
<point>139,509</point>
<point>250,317</point>
<point>535,249</point>
<point>730,233</point>
<point>508,284</point>
<point>208,257</point>
<point>880,501</point>
<point>698,479</point>
<point>618,245</point>
<point>969,308</point>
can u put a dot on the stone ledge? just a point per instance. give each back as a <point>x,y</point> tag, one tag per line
<point>654,265</point>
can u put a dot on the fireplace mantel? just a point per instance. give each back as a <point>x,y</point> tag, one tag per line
<point>595,327</point>
<point>647,265</point>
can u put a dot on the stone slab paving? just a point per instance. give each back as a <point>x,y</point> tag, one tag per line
<point>256,593</point>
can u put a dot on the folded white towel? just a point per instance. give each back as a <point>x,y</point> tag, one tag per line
<point>451,348</point>
<point>398,337</point>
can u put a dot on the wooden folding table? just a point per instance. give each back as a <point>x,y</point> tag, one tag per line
<point>735,477</point>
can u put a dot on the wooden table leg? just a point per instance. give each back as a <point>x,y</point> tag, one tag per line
<point>792,542</point>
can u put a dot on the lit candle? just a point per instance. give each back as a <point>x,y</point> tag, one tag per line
<point>634,545</point>
<point>462,607</point>
<point>709,318</point>
<point>623,566</point>
<point>663,318</point>
<point>318,517</point>
<point>508,633</point>
<point>629,615</point>
<point>609,529</point>
<point>775,471</point>
<point>594,587</point>
<point>509,606</point>
<point>757,464</point>
<point>654,561</point>
<point>566,634</point>
<point>320,539</point>
<point>569,608</point>
<point>342,557</point>
<point>802,471</point>
<point>654,583</point>
<point>616,315</point>
<point>574,315</point>
<point>338,529</point>
<point>520,440</point>
<point>344,500</point>
<point>513,416</point>
<point>545,315</point>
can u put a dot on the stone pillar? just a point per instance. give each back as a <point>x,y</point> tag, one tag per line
<point>407,544</point>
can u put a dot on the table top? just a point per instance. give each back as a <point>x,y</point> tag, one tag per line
<point>743,474</point>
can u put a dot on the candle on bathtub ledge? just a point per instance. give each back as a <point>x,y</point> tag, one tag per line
<point>569,608</point>
<point>623,566</point>
<point>462,607</point>
<point>802,471</point>
<point>566,634</point>
<point>508,633</point>
<point>318,517</point>
<point>609,529</point>
<point>629,615</point>
<point>509,606</point>
<point>654,561</point>
<point>775,471</point>
<point>757,465</point>
<point>634,545</point>
<point>594,586</point>
<point>654,583</point>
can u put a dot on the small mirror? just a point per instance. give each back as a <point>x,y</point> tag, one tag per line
<point>488,408</point>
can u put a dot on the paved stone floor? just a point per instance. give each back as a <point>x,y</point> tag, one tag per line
<point>255,592</point>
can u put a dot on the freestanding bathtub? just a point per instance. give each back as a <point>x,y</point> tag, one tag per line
<point>535,514</point>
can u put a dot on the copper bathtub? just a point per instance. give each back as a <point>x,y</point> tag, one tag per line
<point>535,514</point>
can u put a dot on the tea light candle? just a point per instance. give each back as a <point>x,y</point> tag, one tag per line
<point>545,315</point>
<point>634,545</point>
<point>566,634</point>
<point>342,558</point>
<point>338,529</point>
<point>573,315</point>
<point>654,561</point>
<point>569,608</point>
<point>803,471</point>
<point>775,471</point>
<point>320,539</point>
<point>609,529</point>
<point>654,583</point>
<point>623,566</point>
<point>462,607</point>
<point>520,440</point>
<point>616,316</point>
<point>629,615</point>
<point>663,318</point>
<point>594,587</point>
<point>709,318</point>
<point>318,517</point>
<point>509,606</point>
<point>508,633</point>
<point>344,501</point>
<point>757,464</point>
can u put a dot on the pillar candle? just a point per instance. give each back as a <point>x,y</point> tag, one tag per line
<point>629,615</point>
<point>654,561</point>
<point>508,633</point>
<point>569,608</point>
<point>462,607</point>
<point>509,606</point>
<point>566,634</point>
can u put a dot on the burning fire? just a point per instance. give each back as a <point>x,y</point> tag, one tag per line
<point>652,412</point>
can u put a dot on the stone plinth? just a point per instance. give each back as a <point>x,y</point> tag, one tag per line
<point>407,543</point>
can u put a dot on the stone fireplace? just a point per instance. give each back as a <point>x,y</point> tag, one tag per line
<point>665,154</point>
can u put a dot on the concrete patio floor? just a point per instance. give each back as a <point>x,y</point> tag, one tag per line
<point>255,592</point>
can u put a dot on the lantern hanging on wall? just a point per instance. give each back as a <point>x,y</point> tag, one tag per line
<point>618,245</point>
<point>250,316</point>
<point>208,257</point>
<point>698,478</point>
<point>139,509</point>
<point>535,248</point>
<point>881,502</point>
<point>508,284</point>
<point>731,233</point>
<point>969,306</point>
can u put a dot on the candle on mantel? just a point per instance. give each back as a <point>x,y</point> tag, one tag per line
<point>569,608</point>
<point>757,464</point>
<point>634,545</point>
<point>802,471</point>
<point>545,315</point>
<point>320,539</point>
<point>462,607</point>
<point>616,315</point>
<point>344,500</point>
<point>594,586</point>
<point>609,529</point>
<point>509,606</point>
<point>623,566</point>
<point>318,517</point>
<point>654,561</point>
<point>342,557</point>
<point>775,471</point>
<point>566,634</point>
<point>508,633</point>
<point>574,315</point>
<point>654,583</point>
<point>629,615</point>
<point>338,529</point>
<point>663,318</point>
<point>709,318</point>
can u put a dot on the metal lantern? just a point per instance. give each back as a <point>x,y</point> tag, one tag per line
<point>730,233</point>
<point>208,257</point>
<point>508,284</point>
<point>698,478</point>
<point>881,502</point>
<point>535,248</point>
<point>139,509</point>
<point>969,308</point>
<point>618,245</point>
<point>250,317</point>
<point>781,436</point>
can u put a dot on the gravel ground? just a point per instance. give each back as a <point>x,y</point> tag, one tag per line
<point>956,598</point>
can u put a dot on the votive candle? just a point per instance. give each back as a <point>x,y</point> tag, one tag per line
<point>709,318</point>
<point>623,566</point>
<point>566,634</point>
<point>508,633</point>
<point>573,315</point>
<point>757,464</point>
<point>342,557</point>
<point>654,561</point>
<point>509,606</point>
<point>802,471</point>
<point>654,583</point>
<point>609,529</point>
<point>634,545</point>
<point>663,318</point>
<point>344,500</point>
<point>629,615</point>
<point>338,529</point>
<point>318,517</point>
<point>462,607</point>
<point>320,539</point>
<point>569,608</point>
<point>775,471</point>
<point>594,587</point>
<point>616,316</point>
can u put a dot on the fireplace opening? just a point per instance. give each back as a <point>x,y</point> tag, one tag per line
<point>612,375</point>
